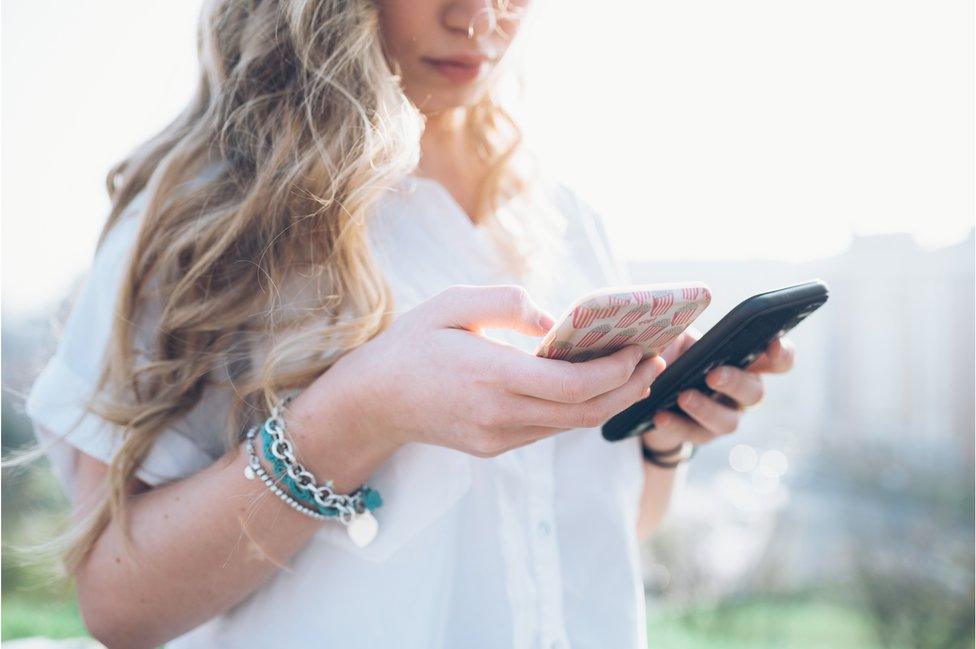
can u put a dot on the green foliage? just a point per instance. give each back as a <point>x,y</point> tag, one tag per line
<point>25,617</point>
<point>759,623</point>
<point>36,601</point>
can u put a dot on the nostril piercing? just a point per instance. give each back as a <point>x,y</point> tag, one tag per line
<point>492,22</point>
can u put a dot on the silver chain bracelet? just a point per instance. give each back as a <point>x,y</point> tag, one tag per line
<point>359,521</point>
<point>281,448</point>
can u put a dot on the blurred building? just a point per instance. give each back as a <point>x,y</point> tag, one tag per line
<point>889,358</point>
<point>846,458</point>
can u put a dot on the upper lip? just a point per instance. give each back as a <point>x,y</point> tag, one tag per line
<point>468,60</point>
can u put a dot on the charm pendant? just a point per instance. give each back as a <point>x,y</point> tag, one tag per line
<point>363,528</point>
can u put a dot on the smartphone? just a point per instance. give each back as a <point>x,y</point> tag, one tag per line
<point>600,323</point>
<point>737,339</point>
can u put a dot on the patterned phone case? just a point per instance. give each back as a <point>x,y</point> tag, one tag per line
<point>650,315</point>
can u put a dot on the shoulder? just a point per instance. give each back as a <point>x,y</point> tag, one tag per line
<point>117,243</point>
<point>115,247</point>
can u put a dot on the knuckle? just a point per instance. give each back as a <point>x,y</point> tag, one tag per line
<point>623,371</point>
<point>503,417</point>
<point>450,293</point>
<point>587,417</point>
<point>571,386</point>
<point>597,417</point>
<point>486,417</point>
<point>515,298</point>
<point>728,427</point>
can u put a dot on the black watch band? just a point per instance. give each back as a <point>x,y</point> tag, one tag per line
<point>662,458</point>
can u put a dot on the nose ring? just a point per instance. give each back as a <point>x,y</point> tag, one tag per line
<point>492,24</point>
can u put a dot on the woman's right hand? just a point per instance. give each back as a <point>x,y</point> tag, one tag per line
<point>432,377</point>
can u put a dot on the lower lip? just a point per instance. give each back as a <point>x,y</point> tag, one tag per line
<point>455,72</point>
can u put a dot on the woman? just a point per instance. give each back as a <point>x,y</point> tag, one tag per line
<point>337,216</point>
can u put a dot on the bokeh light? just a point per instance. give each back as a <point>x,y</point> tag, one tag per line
<point>773,464</point>
<point>743,458</point>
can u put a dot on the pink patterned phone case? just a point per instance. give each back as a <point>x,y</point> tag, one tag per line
<point>650,315</point>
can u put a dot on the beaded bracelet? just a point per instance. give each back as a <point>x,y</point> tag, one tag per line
<point>255,470</point>
<point>301,491</point>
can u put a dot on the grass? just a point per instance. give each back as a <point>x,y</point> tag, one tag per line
<point>750,624</point>
<point>53,618</point>
<point>781,623</point>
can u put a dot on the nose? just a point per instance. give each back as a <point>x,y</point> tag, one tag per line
<point>473,18</point>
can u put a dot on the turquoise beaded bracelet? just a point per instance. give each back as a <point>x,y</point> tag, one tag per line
<point>296,485</point>
<point>371,498</point>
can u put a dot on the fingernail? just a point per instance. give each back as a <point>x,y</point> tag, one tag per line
<point>546,321</point>
<point>721,377</point>
<point>660,367</point>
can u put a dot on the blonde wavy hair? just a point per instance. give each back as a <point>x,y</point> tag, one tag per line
<point>252,236</point>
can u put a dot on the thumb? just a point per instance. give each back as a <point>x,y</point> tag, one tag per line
<point>489,307</point>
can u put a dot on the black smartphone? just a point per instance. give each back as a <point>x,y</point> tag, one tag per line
<point>737,339</point>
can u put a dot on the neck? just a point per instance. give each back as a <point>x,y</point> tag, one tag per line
<point>447,123</point>
<point>443,143</point>
<point>448,156</point>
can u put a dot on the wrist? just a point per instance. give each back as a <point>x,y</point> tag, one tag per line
<point>329,443</point>
<point>661,441</point>
<point>665,449</point>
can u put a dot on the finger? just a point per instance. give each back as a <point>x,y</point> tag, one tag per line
<point>680,345</point>
<point>779,356</point>
<point>565,382</point>
<point>671,425</point>
<point>746,388</point>
<point>729,402</point>
<point>482,307</point>
<point>532,411</point>
<point>715,417</point>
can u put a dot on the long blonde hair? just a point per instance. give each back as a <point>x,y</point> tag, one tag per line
<point>252,234</point>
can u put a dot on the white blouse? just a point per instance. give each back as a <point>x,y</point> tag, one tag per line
<point>536,547</point>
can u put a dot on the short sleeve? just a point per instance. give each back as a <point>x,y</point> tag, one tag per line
<point>55,402</point>
<point>594,234</point>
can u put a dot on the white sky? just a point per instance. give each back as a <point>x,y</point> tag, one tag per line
<point>759,128</point>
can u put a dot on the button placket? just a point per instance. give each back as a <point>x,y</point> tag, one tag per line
<point>511,486</point>
<point>543,543</point>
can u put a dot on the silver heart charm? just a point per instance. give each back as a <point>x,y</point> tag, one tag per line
<point>363,528</point>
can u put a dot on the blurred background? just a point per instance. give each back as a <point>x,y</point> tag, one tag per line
<point>749,145</point>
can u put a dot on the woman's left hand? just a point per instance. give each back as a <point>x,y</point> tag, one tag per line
<point>706,417</point>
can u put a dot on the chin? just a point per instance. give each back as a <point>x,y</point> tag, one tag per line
<point>436,100</point>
